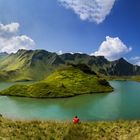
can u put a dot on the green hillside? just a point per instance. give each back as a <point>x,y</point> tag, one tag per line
<point>26,65</point>
<point>65,82</point>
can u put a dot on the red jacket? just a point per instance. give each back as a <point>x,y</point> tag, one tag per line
<point>76,120</point>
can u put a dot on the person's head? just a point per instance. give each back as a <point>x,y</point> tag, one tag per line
<point>76,117</point>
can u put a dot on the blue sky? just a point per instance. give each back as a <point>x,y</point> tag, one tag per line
<point>104,27</point>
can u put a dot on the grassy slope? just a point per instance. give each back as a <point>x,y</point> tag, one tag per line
<point>135,78</point>
<point>13,63</point>
<point>17,67</point>
<point>49,130</point>
<point>65,82</point>
<point>129,78</point>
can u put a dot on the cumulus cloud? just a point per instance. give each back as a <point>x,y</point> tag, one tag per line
<point>60,52</point>
<point>10,41</point>
<point>135,60</point>
<point>112,48</point>
<point>138,63</point>
<point>92,10</point>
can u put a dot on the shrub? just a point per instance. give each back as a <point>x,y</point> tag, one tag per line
<point>103,82</point>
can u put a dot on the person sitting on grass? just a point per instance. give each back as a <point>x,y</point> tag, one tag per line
<point>76,120</point>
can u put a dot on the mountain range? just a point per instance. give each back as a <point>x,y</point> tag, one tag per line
<point>27,65</point>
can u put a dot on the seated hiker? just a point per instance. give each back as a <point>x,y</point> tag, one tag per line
<point>76,120</point>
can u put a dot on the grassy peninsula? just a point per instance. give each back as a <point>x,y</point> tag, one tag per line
<point>67,81</point>
<point>51,130</point>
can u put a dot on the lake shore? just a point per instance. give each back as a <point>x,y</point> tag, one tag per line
<point>52,130</point>
<point>123,78</point>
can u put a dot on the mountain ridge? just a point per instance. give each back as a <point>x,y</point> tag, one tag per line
<point>36,64</point>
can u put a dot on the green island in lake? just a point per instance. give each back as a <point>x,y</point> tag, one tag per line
<point>68,81</point>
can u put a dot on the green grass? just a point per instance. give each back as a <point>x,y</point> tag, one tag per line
<point>65,82</point>
<point>22,67</point>
<point>127,78</point>
<point>135,78</point>
<point>52,130</point>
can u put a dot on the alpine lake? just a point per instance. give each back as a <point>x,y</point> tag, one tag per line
<point>121,104</point>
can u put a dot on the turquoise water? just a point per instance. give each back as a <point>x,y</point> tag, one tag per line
<point>123,103</point>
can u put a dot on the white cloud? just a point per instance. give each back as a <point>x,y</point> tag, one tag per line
<point>10,41</point>
<point>92,10</point>
<point>135,60</point>
<point>138,63</point>
<point>9,29</point>
<point>112,48</point>
<point>60,52</point>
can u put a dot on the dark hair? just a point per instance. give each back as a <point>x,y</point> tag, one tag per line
<point>75,116</point>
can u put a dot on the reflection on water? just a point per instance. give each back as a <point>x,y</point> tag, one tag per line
<point>123,103</point>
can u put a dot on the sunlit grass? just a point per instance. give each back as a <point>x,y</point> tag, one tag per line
<point>65,82</point>
<point>51,130</point>
<point>129,78</point>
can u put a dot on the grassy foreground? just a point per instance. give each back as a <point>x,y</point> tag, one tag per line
<point>49,130</point>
